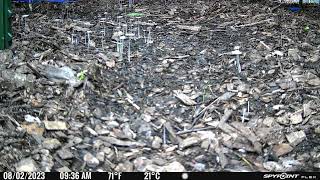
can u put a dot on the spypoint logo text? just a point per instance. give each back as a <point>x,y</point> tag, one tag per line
<point>281,176</point>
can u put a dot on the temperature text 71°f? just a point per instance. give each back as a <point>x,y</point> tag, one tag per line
<point>114,175</point>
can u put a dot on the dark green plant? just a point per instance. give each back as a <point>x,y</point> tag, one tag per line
<point>5,24</point>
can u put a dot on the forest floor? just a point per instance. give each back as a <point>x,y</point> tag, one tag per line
<point>207,86</point>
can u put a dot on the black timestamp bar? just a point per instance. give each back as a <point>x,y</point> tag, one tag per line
<point>156,175</point>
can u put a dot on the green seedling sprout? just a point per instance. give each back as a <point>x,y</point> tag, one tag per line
<point>81,75</point>
<point>306,28</point>
<point>135,14</point>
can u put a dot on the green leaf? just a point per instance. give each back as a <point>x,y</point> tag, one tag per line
<point>135,14</point>
<point>81,75</point>
<point>306,28</point>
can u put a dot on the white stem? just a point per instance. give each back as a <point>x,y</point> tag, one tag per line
<point>144,36</point>
<point>102,42</point>
<point>129,50</point>
<point>121,51</point>
<point>238,63</point>
<point>243,112</point>
<point>118,48</point>
<point>88,40</point>
<point>164,135</point>
<point>149,37</point>
<point>72,39</point>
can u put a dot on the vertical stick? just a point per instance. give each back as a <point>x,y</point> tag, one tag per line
<point>243,112</point>
<point>130,35</point>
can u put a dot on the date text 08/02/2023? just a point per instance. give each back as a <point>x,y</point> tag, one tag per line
<point>23,175</point>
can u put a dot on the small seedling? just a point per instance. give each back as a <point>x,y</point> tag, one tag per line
<point>88,38</point>
<point>131,2</point>
<point>135,14</point>
<point>82,75</point>
<point>144,36</point>
<point>102,23</point>
<point>118,46</point>
<point>131,24</point>
<point>135,32</point>
<point>306,28</point>
<point>30,5</point>
<point>118,30</point>
<point>120,4</point>
<point>66,12</point>
<point>122,38</point>
<point>243,115</point>
<point>118,35</point>
<point>130,35</point>
<point>58,22</point>
<point>119,19</point>
<point>149,39</point>
<point>237,53</point>
<point>103,34</point>
<point>164,135</point>
<point>125,28</point>
<point>138,31</point>
<point>131,29</point>
<point>138,27</point>
<point>74,39</point>
<point>24,21</point>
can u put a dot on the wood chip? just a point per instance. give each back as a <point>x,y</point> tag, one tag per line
<point>191,28</point>
<point>184,98</point>
<point>55,125</point>
<point>295,138</point>
<point>282,149</point>
<point>33,128</point>
<point>174,138</point>
<point>118,142</point>
<point>189,142</point>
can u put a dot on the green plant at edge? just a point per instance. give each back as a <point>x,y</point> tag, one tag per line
<point>81,75</point>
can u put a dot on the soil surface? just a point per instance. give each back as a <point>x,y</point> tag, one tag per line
<point>161,86</point>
